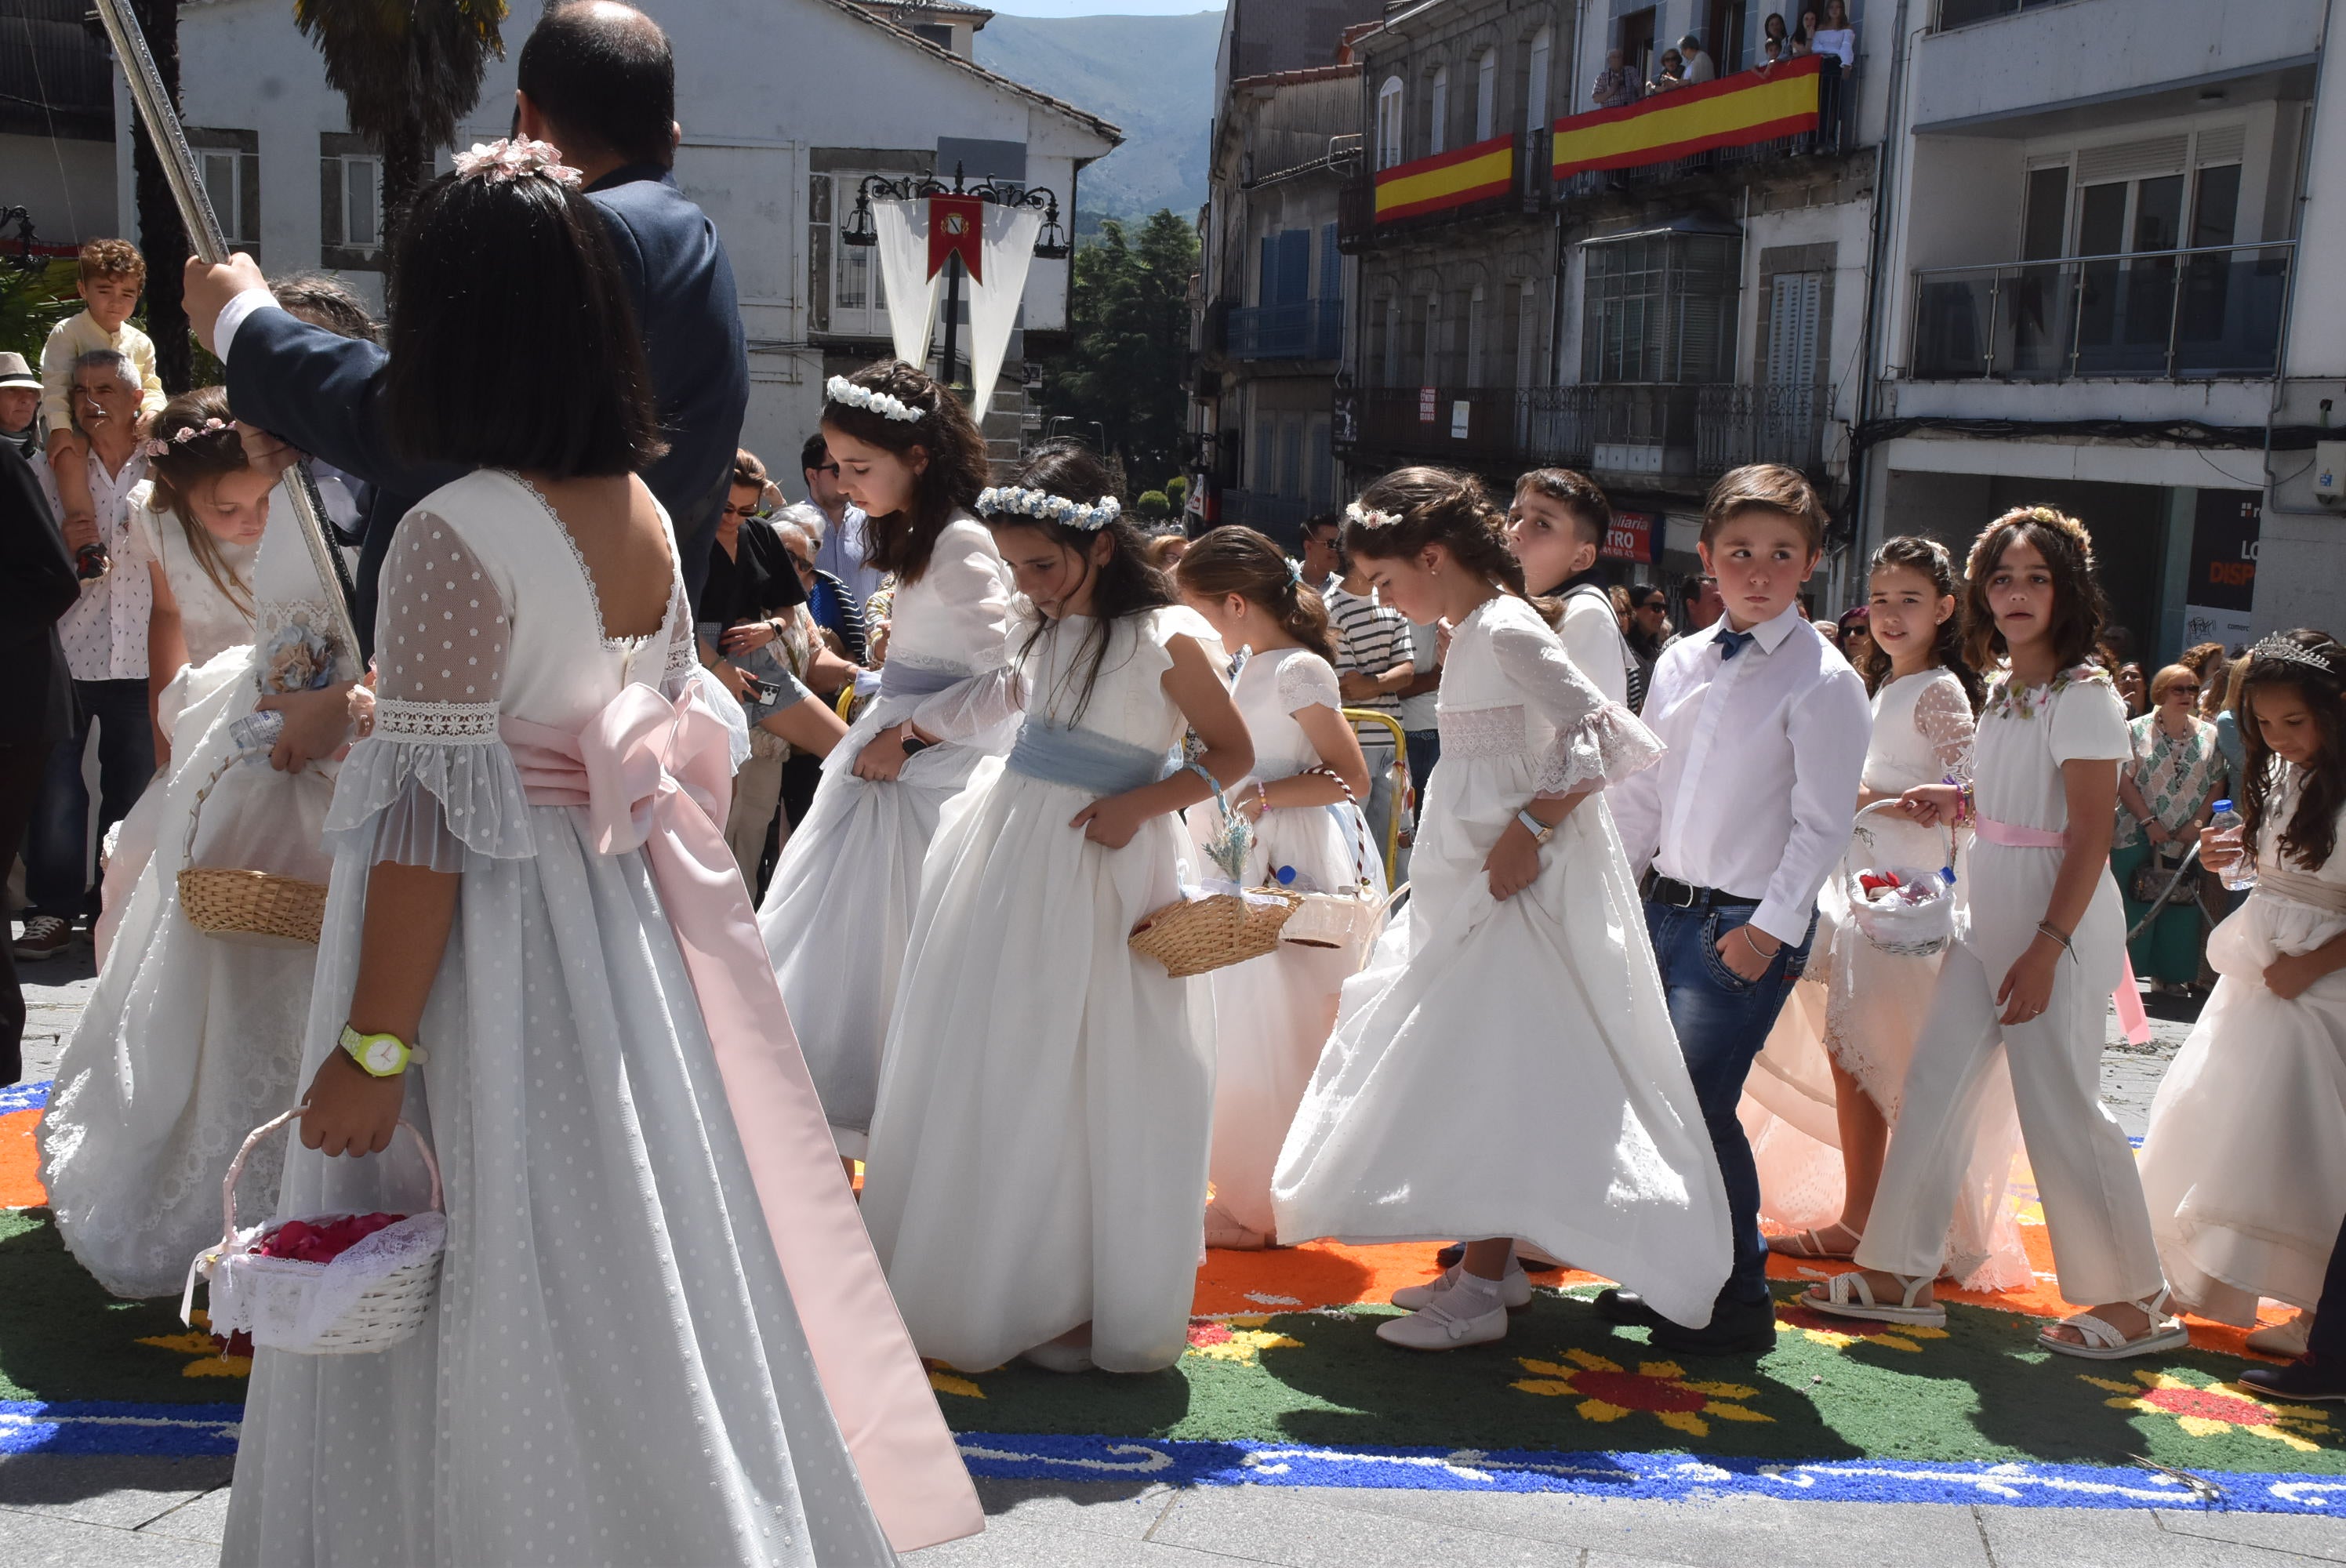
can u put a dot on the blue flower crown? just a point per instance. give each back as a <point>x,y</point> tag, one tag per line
<point>1018,502</point>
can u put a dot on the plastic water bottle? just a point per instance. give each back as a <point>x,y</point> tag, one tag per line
<point>1296,882</point>
<point>2242,875</point>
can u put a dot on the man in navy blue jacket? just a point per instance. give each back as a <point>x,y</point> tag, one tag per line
<point>597,80</point>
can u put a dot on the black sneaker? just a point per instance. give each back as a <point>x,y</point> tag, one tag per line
<point>1736,1328</point>
<point>2301,1380</point>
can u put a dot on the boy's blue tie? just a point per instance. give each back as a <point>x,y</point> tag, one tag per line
<point>1731,642</point>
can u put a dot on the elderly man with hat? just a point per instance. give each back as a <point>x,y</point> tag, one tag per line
<point>20,404</point>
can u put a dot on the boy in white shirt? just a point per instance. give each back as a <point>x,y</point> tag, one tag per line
<point>1734,833</point>
<point>1555,527</point>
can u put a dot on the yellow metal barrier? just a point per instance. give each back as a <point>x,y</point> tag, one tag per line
<point>846,702</point>
<point>1400,777</point>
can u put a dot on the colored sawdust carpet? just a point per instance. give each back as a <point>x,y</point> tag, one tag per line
<point>1285,1383</point>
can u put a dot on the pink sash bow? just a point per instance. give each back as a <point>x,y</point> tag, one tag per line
<point>654,774</point>
<point>2134,1019</point>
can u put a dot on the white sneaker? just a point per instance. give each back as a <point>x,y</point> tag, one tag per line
<point>2284,1339</point>
<point>1515,1289</point>
<point>1445,1324</point>
<point>1055,1357</point>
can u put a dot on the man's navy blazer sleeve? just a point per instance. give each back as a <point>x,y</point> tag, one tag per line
<point>323,392</point>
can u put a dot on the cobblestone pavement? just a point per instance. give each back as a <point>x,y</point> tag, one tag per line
<point>97,1513</point>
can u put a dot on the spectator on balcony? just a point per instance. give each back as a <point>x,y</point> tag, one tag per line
<point>1673,74</point>
<point>1836,38</point>
<point>1772,31</point>
<point>1804,36</point>
<point>1703,604</point>
<point>1616,85</point>
<point>1699,66</point>
<point>1771,54</point>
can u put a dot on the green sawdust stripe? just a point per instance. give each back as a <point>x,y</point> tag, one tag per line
<point>1564,1381</point>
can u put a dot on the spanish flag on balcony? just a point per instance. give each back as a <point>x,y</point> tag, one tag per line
<point>1476,173</point>
<point>1732,111</point>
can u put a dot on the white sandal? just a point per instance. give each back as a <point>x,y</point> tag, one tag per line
<point>2103,1343</point>
<point>1839,1289</point>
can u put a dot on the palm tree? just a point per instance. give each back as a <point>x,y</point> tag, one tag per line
<point>408,70</point>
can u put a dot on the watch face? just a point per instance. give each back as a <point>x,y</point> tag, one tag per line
<point>383,1055</point>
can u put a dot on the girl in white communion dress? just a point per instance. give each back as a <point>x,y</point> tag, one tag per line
<point>1036,1179</point>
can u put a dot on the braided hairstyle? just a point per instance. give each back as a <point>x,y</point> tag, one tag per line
<point>903,541</point>
<point>2312,836</point>
<point>193,458</point>
<point>1929,558</point>
<point>1126,584</point>
<point>2078,610</point>
<point>1242,562</point>
<point>1414,507</point>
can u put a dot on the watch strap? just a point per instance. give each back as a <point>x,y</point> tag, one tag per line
<point>1541,832</point>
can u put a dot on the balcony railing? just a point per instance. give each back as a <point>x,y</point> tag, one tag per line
<point>1306,329</point>
<point>1660,430</point>
<point>2164,315</point>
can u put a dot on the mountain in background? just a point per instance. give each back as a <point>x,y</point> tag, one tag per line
<point>1152,76</point>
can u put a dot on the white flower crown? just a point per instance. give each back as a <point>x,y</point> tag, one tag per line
<point>839,390</point>
<point>1356,513</point>
<point>1022,502</point>
<point>499,161</point>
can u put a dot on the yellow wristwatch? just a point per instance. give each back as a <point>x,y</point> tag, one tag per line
<point>382,1055</point>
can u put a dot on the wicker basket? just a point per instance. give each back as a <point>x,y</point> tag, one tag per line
<point>1214,931</point>
<point>262,909</point>
<point>387,1311</point>
<point>1905,930</point>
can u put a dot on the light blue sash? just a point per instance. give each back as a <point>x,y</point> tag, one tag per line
<point>898,679</point>
<point>1083,760</point>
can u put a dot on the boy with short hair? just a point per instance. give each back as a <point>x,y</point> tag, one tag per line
<point>1573,506</point>
<point>1735,831</point>
<point>112,273</point>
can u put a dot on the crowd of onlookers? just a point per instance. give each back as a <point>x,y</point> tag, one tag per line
<point>1829,33</point>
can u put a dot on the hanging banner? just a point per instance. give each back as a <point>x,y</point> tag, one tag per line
<point>1447,180</point>
<point>910,283</point>
<point>957,228</point>
<point>996,289</point>
<point>1732,111</point>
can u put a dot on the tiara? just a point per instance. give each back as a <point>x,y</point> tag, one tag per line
<point>2279,647</point>
<point>500,161</point>
<point>157,446</point>
<point>1019,501</point>
<point>838,389</point>
<point>1360,514</point>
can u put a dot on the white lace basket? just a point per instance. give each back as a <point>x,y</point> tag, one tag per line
<point>370,1297</point>
<point>1907,930</point>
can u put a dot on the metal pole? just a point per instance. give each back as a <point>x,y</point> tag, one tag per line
<point>952,320</point>
<point>210,242</point>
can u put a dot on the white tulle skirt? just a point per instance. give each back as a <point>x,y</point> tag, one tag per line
<point>837,911</point>
<point>2245,1164</point>
<point>1038,1157</point>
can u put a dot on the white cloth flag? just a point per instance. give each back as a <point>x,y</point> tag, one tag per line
<point>1008,245</point>
<point>904,230</point>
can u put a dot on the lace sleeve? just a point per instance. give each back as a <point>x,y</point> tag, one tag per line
<point>1307,680</point>
<point>433,781</point>
<point>1597,741</point>
<point>1942,716</point>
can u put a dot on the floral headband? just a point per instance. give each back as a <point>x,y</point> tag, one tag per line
<point>500,161</point>
<point>995,500</point>
<point>839,390</point>
<point>157,446</point>
<point>1356,513</point>
<point>2278,647</point>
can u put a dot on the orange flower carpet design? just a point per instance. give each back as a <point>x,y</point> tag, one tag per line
<point>1284,1383</point>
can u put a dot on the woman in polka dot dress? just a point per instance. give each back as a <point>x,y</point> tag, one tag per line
<point>657,1335</point>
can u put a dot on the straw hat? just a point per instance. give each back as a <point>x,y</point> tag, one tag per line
<point>16,372</point>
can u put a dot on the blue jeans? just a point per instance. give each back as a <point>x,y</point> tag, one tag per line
<point>57,875</point>
<point>1424,751</point>
<point>1722,1020</point>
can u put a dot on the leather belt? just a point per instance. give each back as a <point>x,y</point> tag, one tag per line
<point>1678,895</point>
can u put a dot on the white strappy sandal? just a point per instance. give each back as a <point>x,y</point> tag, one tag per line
<point>1849,1296</point>
<point>2103,1343</point>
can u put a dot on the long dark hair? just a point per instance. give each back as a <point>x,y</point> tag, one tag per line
<point>1929,558</point>
<point>1242,562</point>
<point>1411,508</point>
<point>1125,584</point>
<point>901,541</point>
<point>2312,836</point>
<point>2079,612</point>
<point>512,344</point>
